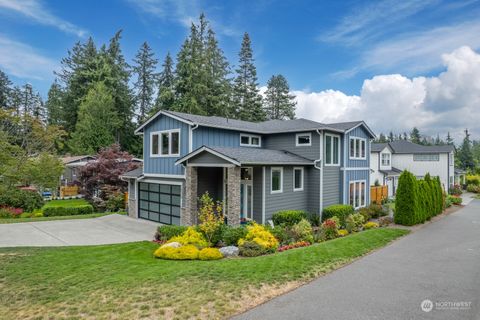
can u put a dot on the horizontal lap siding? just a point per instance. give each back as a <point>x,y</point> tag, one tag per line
<point>286,141</point>
<point>312,184</point>
<point>331,186</point>
<point>164,165</point>
<point>288,199</point>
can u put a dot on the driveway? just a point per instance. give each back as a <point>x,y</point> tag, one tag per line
<point>104,230</point>
<point>439,262</point>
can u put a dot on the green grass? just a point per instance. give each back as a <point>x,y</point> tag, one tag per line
<point>124,281</point>
<point>65,203</point>
<point>81,216</point>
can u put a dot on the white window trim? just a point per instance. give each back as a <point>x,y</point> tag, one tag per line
<point>359,198</point>
<point>339,153</point>
<point>271,180</point>
<point>417,157</point>
<point>249,144</point>
<point>389,159</point>
<point>302,179</point>
<point>309,134</point>
<point>170,154</point>
<point>355,148</point>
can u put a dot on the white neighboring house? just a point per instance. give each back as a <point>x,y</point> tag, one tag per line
<point>388,160</point>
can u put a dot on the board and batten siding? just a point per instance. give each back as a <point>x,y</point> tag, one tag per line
<point>213,137</point>
<point>358,132</point>
<point>257,193</point>
<point>286,200</point>
<point>164,165</point>
<point>287,141</point>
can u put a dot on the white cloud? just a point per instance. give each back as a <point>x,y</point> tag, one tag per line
<point>34,10</point>
<point>22,61</point>
<point>447,102</point>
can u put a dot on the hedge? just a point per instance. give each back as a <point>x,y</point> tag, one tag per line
<point>288,217</point>
<point>24,199</point>
<point>341,211</point>
<point>67,211</point>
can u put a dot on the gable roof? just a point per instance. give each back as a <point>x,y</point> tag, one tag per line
<point>404,147</point>
<point>70,159</point>
<point>265,127</point>
<point>250,156</point>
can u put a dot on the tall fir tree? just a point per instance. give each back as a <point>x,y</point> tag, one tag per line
<point>381,138</point>
<point>166,86</point>
<point>54,105</point>
<point>144,86</point>
<point>415,136</point>
<point>247,100</point>
<point>38,108</point>
<point>449,139</point>
<point>5,90</point>
<point>279,103</point>
<point>464,154</point>
<point>391,137</point>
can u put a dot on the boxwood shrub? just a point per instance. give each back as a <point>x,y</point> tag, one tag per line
<point>341,211</point>
<point>288,217</point>
<point>67,211</point>
<point>167,232</point>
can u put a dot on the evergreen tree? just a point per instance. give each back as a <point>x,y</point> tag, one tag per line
<point>407,200</point>
<point>166,86</point>
<point>449,140</point>
<point>405,136</point>
<point>16,100</point>
<point>246,97</point>
<point>381,138</point>
<point>279,103</point>
<point>144,68</point>
<point>28,100</point>
<point>415,136</point>
<point>39,112</point>
<point>98,121</point>
<point>391,137</point>
<point>5,90</point>
<point>464,154</point>
<point>54,105</point>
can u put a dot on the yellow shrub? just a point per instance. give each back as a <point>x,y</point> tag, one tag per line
<point>258,234</point>
<point>370,225</point>
<point>188,252</point>
<point>342,233</point>
<point>191,236</point>
<point>210,254</point>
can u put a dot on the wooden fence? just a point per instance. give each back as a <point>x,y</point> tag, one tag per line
<point>68,191</point>
<point>378,194</point>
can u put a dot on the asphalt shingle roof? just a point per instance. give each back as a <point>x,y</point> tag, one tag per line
<point>377,147</point>
<point>404,146</point>
<point>135,173</point>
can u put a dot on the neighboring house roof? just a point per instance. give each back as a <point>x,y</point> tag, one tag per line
<point>70,159</point>
<point>459,171</point>
<point>133,174</point>
<point>393,172</point>
<point>265,127</point>
<point>405,147</point>
<point>250,156</point>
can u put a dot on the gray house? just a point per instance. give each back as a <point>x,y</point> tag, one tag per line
<point>256,169</point>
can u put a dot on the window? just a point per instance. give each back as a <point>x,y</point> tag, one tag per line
<point>358,148</point>
<point>450,157</point>
<point>165,143</point>
<point>277,180</point>
<point>303,139</point>
<point>332,150</point>
<point>248,140</point>
<point>426,157</point>
<point>357,194</point>
<point>297,179</point>
<point>385,159</point>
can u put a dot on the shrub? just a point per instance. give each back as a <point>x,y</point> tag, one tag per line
<point>384,221</point>
<point>354,222</point>
<point>293,246</point>
<point>341,211</point>
<point>302,231</point>
<point>406,201</point>
<point>448,202</point>
<point>456,190</point>
<point>211,219</point>
<point>188,252</point>
<point>473,188</point>
<point>258,234</point>
<point>210,254</point>
<point>472,179</point>
<point>167,232</point>
<point>190,237</point>
<point>329,229</point>
<point>370,225</point>
<point>372,211</point>
<point>67,211</point>
<point>314,219</point>
<point>231,235</point>
<point>455,200</point>
<point>8,212</point>
<point>281,233</point>
<point>115,202</point>
<point>288,217</point>
<point>251,249</point>
<point>342,233</point>
<point>24,199</point>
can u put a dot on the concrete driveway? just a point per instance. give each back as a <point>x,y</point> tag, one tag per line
<point>104,230</point>
<point>440,262</point>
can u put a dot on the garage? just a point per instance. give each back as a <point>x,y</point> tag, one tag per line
<point>159,202</point>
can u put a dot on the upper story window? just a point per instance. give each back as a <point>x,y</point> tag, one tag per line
<point>276,176</point>
<point>386,159</point>
<point>250,140</point>
<point>358,148</point>
<point>332,150</point>
<point>165,143</point>
<point>303,139</point>
<point>426,157</point>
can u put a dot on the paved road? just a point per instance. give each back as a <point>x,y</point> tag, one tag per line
<point>104,230</point>
<point>440,262</point>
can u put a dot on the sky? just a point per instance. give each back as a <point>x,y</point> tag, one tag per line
<point>394,64</point>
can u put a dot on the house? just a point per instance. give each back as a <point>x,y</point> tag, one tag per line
<point>388,160</point>
<point>72,165</point>
<point>256,169</point>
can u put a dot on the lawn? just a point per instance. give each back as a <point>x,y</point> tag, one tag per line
<point>66,203</point>
<point>124,281</point>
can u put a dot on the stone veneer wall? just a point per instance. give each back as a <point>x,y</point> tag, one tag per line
<point>189,210</point>
<point>233,195</point>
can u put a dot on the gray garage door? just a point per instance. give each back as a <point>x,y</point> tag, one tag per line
<point>159,202</point>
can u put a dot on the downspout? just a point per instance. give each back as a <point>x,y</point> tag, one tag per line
<point>344,185</point>
<point>190,137</point>
<point>319,160</point>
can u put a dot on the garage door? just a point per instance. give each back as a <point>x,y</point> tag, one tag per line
<point>159,202</point>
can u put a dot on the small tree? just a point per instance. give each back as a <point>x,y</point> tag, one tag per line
<point>406,204</point>
<point>44,171</point>
<point>211,217</point>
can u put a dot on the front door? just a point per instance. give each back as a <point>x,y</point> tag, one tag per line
<point>246,193</point>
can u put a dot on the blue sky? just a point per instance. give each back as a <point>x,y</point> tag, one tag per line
<point>320,46</point>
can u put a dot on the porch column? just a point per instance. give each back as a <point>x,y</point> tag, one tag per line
<point>233,195</point>
<point>189,210</point>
